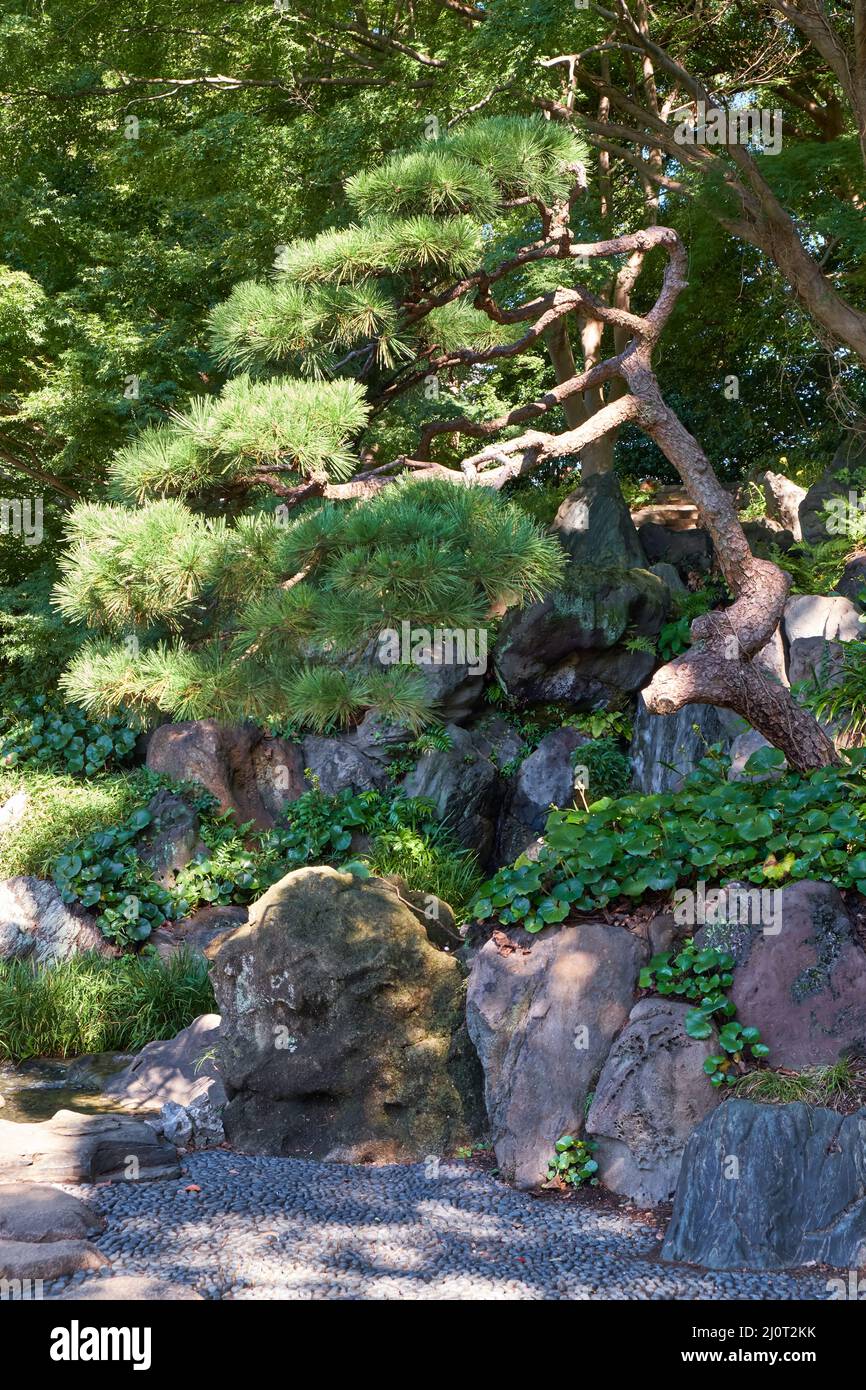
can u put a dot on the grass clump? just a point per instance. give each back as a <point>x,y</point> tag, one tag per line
<point>840,1086</point>
<point>91,1003</point>
<point>62,809</point>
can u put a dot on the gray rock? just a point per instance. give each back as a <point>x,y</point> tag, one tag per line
<point>195,933</point>
<point>851,454</point>
<point>651,1094</point>
<point>832,617</point>
<point>767,536</point>
<point>175,1124</point>
<point>128,1288</point>
<point>670,576</point>
<point>53,1259</point>
<point>666,747</point>
<point>542,1021</point>
<point>35,1212</point>
<point>772,1187</point>
<point>465,788</point>
<point>175,1070</point>
<point>852,585</point>
<point>174,842</point>
<point>74,1148</point>
<point>36,923</point>
<point>546,778</point>
<point>591,680</point>
<point>337,763</point>
<point>741,750</point>
<point>341,1026</point>
<point>497,739</point>
<point>802,980</point>
<point>595,526</point>
<point>784,498</point>
<point>816,660</point>
<point>379,740</point>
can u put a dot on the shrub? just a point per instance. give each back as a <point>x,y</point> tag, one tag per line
<point>572,1162</point>
<point>769,832</point>
<point>90,1004</point>
<point>608,769</point>
<point>42,733</point>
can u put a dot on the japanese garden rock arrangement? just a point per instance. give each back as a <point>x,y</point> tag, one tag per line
<point>341,1030</point>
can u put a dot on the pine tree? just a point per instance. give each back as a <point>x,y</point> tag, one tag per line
<point>209,601</point>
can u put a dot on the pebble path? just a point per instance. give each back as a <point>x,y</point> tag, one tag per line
<point>283,1228</point>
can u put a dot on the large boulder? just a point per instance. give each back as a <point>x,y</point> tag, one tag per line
<point>464,787</point>
<point>831,489</point>
<point>218,757</point>
<point>800,976</point>
<point>75,1148</point>
<point>832,617</point>
<point>341,1032</point>
<point>546,777</point>
<point>591,680</point>
<point>784,498</point>
<point>651,1094</point>
<point>179,1070</point>
<point>666,747</point>
<point>36,923</point>
<point>35,1212</point>
<point>852,584</point>
<point>542,1012</point>
<point>595,526</point>
<point>816,660</point>
<point>772,1187</point>
<point>333,764</point>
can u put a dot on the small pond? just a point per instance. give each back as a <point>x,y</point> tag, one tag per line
<point>37,1088</point>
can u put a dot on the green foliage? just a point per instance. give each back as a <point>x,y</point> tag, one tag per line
<point>430,861</point>
<point>608,769</point>
<point>706,975</point>
<point>220,635</point>
<point>105,874</point>
<point>38,732</point>
<point>814,569</point>
<point>61,809</point>
<point>840,698</point>
<point>90,1004</point>
<point>573,1163</point>
<point>602,723</point>
<point>767,832</point>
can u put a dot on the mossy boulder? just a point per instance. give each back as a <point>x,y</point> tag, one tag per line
<point>342,1027</point>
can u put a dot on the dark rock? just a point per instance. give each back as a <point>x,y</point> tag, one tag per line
<point>496,738</point>
<point>685,550</point>
<point>595,526</point>
<point>766,536</point>
<point>651,1094</point>
<point>542,1015</point>
<point>174,843</point>
<point>196,932</point>
<point>771,1187</point>
<point>816,660</point>
<point>465,788</point>
<point>831,487</point>
<point>852,585</point>
<point>340,1026</point>
<point>35,1212</point>
<point>666,747</point>
<point>336,763</point>
<point>546,778</point>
